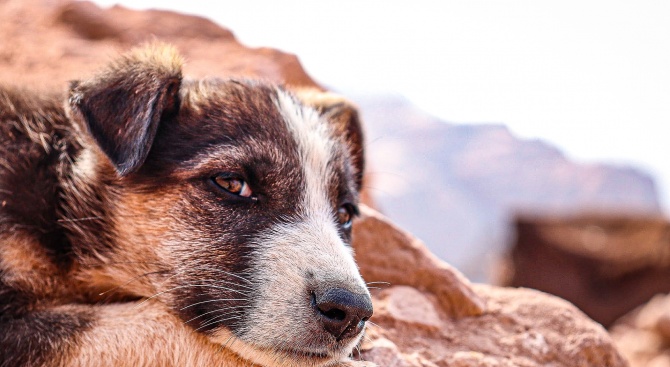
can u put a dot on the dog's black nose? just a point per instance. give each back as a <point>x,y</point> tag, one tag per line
<point>342,312</point>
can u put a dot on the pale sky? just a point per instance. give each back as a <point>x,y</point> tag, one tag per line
<point>590,77</point>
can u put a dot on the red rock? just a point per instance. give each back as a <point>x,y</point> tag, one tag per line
<point>447,321</point>
<point>408,305</point>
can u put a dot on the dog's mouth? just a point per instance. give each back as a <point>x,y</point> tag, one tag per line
<point>283,355</point>
<point>304,354</point>
<point>302,357</point>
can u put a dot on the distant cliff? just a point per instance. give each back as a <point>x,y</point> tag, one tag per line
<point>458,186</point>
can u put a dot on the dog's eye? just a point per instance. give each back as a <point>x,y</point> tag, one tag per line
<point>233,185</point>
<point>345,215</point>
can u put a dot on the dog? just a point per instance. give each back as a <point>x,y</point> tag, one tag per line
<point>148,219</point>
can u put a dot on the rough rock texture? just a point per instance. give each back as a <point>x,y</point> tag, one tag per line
<point>643,336</point>
<point>606,266</point>
<point>431,315</point>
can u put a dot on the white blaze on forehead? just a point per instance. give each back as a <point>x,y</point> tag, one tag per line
<point>316,148</point>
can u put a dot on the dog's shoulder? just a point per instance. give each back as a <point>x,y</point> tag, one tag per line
<point>36,141</point>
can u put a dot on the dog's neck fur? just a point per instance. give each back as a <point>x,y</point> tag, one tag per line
<point>37,193</point>
<point>85,208</point>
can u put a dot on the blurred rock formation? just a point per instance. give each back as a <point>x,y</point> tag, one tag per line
<point>605,265</point>
<point>458,187</point>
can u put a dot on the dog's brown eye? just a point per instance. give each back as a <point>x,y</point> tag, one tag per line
<point>345,215</point>
<point>233,185</point>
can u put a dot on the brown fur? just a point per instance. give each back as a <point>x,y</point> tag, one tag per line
<point>105,218</point>
<point>141,334</point>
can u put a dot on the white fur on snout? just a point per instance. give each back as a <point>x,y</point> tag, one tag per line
<point>298,257</point>
<point>293,261</point>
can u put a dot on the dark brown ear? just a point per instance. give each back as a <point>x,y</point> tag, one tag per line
<point>122,106</point>
<point>344,117</point>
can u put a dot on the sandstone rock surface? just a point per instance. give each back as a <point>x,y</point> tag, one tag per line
<point>432,316</point>
<point>427,313</point>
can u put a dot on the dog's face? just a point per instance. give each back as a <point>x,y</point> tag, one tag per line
<point>233,204</point>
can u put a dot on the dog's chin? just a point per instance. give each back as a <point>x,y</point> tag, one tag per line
<point>285,356</point>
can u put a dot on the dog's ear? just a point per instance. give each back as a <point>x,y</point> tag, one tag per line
<point>122,106</point>
<point>344,117</point>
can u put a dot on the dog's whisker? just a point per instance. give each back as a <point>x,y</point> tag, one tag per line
<point>225,273</point>
<point>222,284</point>
<point>244,293</point>
<point>181,287</point>
<point>213,321</point>
<point>377,285</point>
<point>130,281</point>
<point>212,300</point>
<point>230,338</point>
<point>203,283</point>
<point>241,289</point>
<point>365,338</point>
<point>180,272</point>
<point>176,273</point>
<point>223,312</point>
<point>192,267</point>
<point>370,323</point>
<point>229,273</point>
<point>358,353</point>
<point>219,320</point>
<point>237,308</point>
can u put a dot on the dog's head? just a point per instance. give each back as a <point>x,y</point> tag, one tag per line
<point>231,201</point>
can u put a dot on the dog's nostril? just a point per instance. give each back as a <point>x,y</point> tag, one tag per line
<point>334,314</point>
<point>343,313</point>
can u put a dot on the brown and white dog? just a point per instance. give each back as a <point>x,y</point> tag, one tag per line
<point>151,220</point>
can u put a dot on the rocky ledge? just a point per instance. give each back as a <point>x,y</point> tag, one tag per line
<point>432,316</point>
